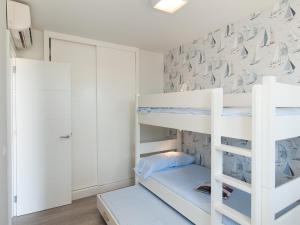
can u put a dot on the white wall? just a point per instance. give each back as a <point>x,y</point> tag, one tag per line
<point>3,163</point>
<point>151,72</point>
<point>151,81</point>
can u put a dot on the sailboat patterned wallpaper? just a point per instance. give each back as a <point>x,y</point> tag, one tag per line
<point>235,57</point>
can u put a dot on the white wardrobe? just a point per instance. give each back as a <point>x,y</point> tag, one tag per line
<point>103,88</point>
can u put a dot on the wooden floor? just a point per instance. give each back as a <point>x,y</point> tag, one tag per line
<point>81,212</point>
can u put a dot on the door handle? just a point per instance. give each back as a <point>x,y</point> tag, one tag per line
<point>65,137</point>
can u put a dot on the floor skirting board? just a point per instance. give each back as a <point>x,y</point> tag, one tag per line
<point>87,192</point>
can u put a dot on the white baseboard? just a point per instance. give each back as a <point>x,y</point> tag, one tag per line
<point>87,192</point>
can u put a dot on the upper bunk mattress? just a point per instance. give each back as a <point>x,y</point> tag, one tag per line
<point>183,180</point>
<point>207,112</point>
<point>137,206</point>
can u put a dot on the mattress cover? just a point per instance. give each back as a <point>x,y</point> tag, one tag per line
<point>227,111</point>
<point>183,180</point>
<point>137,206</point>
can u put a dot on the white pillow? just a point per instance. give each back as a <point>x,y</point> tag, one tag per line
<point>148,165</point>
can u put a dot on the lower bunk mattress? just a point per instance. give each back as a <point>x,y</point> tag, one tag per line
<point>183,180</point>
<point>137,206</point>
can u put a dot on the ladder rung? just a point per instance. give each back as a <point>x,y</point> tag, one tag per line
<point>232,214</point>
<point>234,150</point>
<point>234,182</point>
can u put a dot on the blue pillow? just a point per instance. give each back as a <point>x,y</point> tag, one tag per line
<point>148,165</point>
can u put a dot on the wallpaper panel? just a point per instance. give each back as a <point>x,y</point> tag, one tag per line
<point>235,57</point>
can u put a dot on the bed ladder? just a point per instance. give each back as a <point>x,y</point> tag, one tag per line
<point>218,208</point>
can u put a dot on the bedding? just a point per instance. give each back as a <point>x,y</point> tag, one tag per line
<point>137,206</point>
<point>148,165</point>
<point>206,112</point>
<point>183,180</point>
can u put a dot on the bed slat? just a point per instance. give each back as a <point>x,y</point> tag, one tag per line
<point>291,194</point>
<point>158,146</point>
<point>233,214</point>
<point>187,99</point>
<point>287,127</point>
<point>234,150</point>
<point>234,182</point>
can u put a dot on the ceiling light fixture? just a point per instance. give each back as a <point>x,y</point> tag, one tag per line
<point>169,6</point>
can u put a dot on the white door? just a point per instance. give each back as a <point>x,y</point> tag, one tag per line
<point>83,60</point>
<point>43,121</point>
<point>116,111</point>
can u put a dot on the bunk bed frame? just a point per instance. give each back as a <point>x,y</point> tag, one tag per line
<point>263,128</point>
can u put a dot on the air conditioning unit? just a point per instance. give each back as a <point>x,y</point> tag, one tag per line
<point>19,24</point>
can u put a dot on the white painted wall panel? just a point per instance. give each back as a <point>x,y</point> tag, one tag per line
<point>116,101</point>
<point>3,164</point>
<point>83,59</point>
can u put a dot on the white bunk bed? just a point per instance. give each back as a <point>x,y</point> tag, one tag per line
<point>271,114</point>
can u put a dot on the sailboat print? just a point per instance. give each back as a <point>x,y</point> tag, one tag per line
<point>294,40</point>
<point>290,13</point>
<point>288,170</point>
<point>250,32</point>
<point>202,57</point>
<point>239,39</point>
<point>254,15</point>
<point>244,52</point>
<point>165,68</point>
<point>267,38</point>
<point>212,41</point>
<point>289,67</point>
<point>218,64</point>
<point>221,46</point>
<point>172,57</point>
<point>172,75</point>
<point>227,31</point>
<point>250,78</point>
<point>180,78</point>
<point>172,86</point>
<point>280,54</point>
<point>209,69</point>
<point>181,49</point>
<point>193,53</point>
<point>229,71</point>
<point>212,79</point>
<point>190,67</point>
<point>278,7</point>
<point>256,56</point>
<point>238,86</point>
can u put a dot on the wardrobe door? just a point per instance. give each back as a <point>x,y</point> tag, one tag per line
<point>116,102</point>
<point>83,60</point>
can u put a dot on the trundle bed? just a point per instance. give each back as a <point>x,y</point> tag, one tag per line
<point>270,113</point>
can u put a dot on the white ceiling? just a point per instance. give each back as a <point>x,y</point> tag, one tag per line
<point>135,23</point>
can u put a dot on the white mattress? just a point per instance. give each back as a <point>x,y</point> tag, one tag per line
<point>137,206</point>
<point>226,111</point>
<point>183,180</point>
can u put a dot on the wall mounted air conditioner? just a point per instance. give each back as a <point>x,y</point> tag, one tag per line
<point>19,24</point>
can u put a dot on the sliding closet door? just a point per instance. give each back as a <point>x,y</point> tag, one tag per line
<point>83,60</point>
<point>116,102</point>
